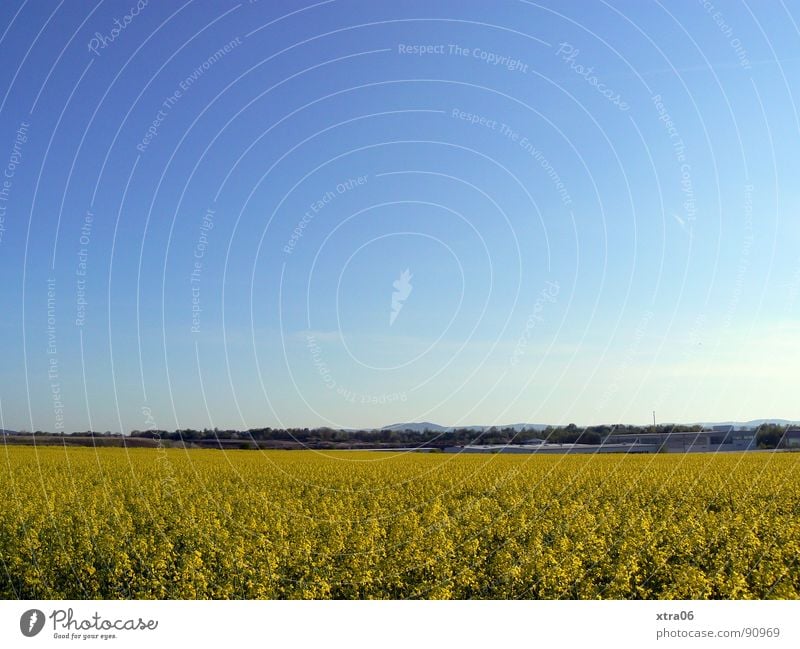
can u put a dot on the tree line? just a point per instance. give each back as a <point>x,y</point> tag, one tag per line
<point>459,437</point>
<point>767,436</point>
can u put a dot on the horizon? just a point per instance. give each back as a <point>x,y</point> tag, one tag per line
<point>254,215</point>
<point>757,422</point>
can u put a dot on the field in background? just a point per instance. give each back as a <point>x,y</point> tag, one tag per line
<point>155,523</point>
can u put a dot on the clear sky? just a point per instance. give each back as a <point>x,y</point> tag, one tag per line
<point>354,213</point>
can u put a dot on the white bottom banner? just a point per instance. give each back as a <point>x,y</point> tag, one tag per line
<point>483,624</point>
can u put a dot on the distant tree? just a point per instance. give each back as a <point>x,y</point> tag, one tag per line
<point>769,435</point>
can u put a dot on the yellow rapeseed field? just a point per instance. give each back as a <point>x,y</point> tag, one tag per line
<point>149,523</point>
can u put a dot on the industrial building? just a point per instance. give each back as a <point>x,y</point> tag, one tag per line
<point>717,438</point>
<point>791,438</point>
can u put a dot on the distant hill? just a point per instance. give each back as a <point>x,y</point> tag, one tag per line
<point>753,423</point>
<point>419,427</point>
<point>422,426</point>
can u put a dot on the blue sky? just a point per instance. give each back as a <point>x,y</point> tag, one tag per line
<point>596,204</point>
